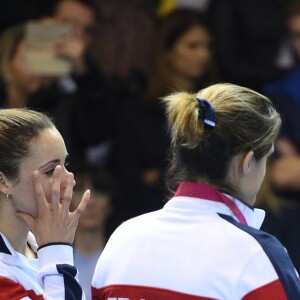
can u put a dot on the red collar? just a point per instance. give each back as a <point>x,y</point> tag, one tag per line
<point>207,192</point>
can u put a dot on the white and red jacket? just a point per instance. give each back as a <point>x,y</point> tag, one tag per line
<point>51,276</point>
<point>195,248</point>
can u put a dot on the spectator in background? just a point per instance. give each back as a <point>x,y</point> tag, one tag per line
<point>81,15</point>
<point>92,231</point>
<point>78,102</point>
<point>249,40</point>
<point>281,192</point>
<point>17,83</point>
<point>184,62</point>
<point>93,101</point>
<point>184,55</point>
<point>123,48</point>
<point>20,87</point>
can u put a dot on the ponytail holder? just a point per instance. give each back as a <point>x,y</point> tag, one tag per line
<point>207,113</point>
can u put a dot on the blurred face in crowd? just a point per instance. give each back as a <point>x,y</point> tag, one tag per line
<point>294,29</point>
<point>191,53</point>
<point>19,75</point>
<point>80,16</point>
<point>98,209</point>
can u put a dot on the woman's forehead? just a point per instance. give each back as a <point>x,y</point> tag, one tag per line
<point>49,145</point>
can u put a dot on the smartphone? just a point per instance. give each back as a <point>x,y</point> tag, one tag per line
<point>40,48</point>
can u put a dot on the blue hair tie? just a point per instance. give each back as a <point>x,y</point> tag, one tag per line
<point>207,113</point>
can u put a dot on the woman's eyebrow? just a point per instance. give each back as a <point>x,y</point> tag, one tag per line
<point>56,161</point>
<point>50,162</point>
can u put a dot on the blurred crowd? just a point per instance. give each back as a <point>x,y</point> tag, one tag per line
<point>123,56</point>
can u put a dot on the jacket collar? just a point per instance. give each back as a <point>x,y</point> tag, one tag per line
<point>214,201</point>
<point>10,256</point>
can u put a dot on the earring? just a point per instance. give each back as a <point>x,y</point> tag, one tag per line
<point>7,197</point>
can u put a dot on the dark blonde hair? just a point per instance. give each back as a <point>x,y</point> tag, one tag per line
<point>246,120</point>
<point>10,40</point>
<point>18,127</point>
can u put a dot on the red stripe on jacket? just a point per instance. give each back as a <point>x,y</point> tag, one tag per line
<point>132,292</point>
<point>272,290</point>
<point>12,290</point>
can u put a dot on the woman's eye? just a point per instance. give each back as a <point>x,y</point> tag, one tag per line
<point>49,172</point>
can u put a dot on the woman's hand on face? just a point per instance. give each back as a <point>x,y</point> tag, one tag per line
<point>73,49</point>
<point>54,221</point>
<point>70,47</point>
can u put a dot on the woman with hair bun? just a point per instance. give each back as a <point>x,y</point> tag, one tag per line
<point>205,243</point>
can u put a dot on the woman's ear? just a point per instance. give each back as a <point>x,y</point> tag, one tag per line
<point>247,162</point>
<point>5,184</point>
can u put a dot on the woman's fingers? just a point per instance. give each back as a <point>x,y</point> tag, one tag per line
<point>54,221</point>
<point>39,192</point>
<point>82,205</point>
<point>68,193</point>
<point>55,194</point>
<point>70,47</point>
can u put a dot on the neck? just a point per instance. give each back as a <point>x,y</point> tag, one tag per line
<point>181,83</point>
<point>15,96</point>
<point>89,241</point>
<point>14,228</point>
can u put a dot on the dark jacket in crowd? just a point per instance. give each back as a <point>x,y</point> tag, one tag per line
<point>248,37</point>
